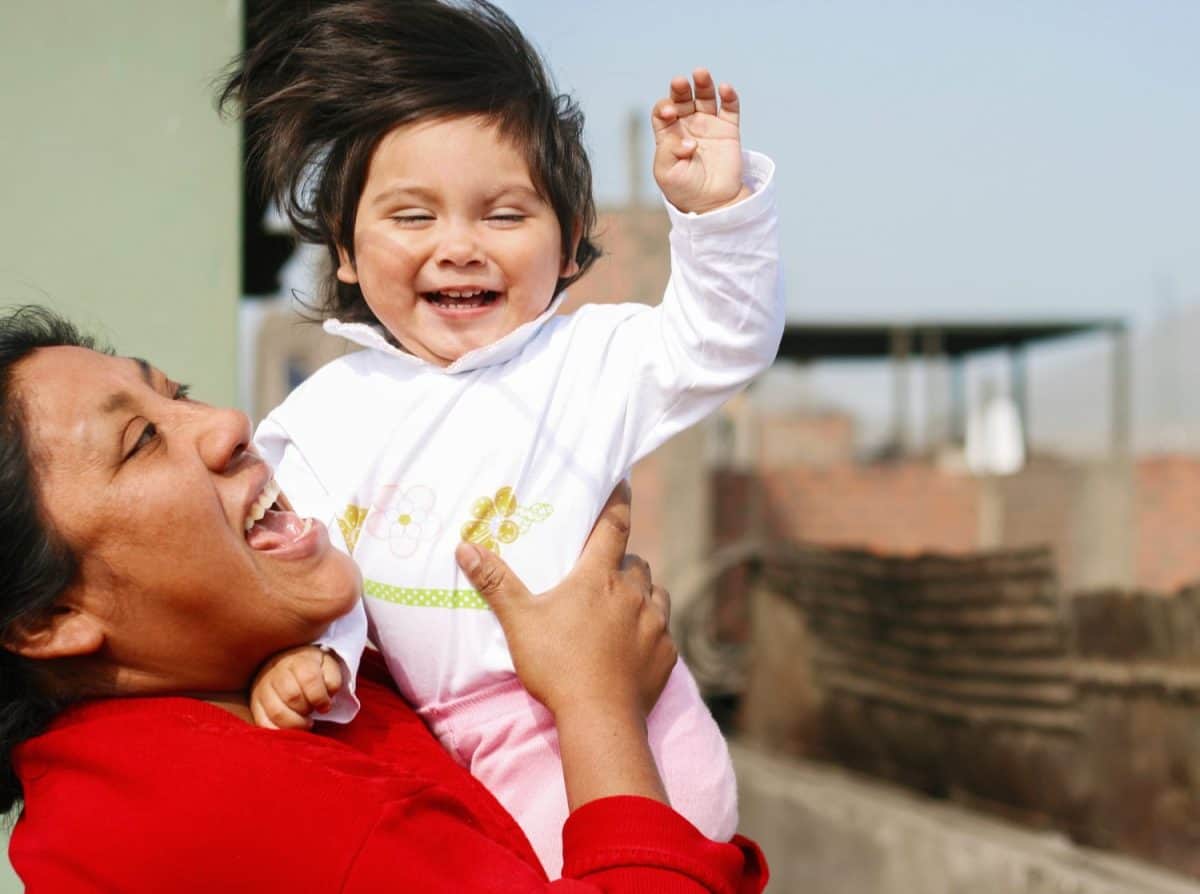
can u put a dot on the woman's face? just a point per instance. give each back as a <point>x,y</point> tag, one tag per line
<point>152,492</point>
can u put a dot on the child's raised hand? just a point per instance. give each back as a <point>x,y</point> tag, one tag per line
<point>292,685</point>
<point>698,146</point>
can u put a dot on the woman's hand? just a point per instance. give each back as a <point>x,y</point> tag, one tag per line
<point>599,637</point>
<point>594,650</point>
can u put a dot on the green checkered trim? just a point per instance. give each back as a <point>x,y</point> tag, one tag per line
<point>424,598</point>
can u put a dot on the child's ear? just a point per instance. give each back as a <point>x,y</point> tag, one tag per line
<point>65,633</point>
<point>571,266</point>
<point>346,272</point>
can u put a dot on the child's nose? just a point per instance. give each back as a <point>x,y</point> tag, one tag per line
<point>458,247</point>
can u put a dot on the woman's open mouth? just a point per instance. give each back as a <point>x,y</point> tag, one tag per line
<point>270,522</point>
<point>459,300</point>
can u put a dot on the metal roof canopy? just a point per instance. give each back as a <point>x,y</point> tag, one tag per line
<point>859,340</point>
<point>950,342</point>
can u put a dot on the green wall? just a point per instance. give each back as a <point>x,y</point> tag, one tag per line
<point>119,185</point>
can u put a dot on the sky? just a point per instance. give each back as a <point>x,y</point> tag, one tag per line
<point>954,159</point>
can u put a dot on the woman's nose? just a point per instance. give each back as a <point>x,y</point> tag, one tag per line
<point>224,436</point>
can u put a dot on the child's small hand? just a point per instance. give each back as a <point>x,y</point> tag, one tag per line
<point>698,147</point>
<point>292,685</point>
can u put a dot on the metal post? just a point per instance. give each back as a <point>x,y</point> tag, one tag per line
<point>901,349</point>
<point>636,152</point>
<point>1122,409</point>
<point>958,400</point>
<point>1018,371</point>
<point>935,417</point>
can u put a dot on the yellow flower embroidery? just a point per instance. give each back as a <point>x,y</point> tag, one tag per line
<point>350,522</point>
<point>499,519</point>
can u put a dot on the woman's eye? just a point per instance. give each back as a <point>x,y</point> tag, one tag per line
<point>149,433</point>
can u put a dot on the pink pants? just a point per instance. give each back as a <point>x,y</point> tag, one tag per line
<point>507,739</point>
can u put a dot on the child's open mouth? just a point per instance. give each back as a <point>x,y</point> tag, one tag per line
<point>461,299</point>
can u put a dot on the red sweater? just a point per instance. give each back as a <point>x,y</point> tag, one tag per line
<point>176,795</point>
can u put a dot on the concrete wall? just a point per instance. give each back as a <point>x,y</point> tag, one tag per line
<point>824,830</point>
<point>120,187</point>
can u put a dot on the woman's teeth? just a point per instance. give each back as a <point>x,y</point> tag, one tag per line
<point>266,499</point>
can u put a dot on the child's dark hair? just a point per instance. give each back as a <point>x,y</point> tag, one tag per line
<point>321,83</point>
<point>36,566</point>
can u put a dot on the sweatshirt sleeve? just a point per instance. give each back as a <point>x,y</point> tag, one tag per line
<point>346,637</point>
<point>615,845</point>
<point>719,324</point>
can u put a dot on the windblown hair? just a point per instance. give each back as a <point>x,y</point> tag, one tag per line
<point>322,82</point>
<point>36,566</point>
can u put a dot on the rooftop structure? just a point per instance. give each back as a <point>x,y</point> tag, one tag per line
<point>940,342</point>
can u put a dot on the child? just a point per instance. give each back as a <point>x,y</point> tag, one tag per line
<point>453,192</point>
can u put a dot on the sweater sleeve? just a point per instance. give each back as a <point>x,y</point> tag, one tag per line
<point>718,326</point>
<point>346,637</point>
<point>620,844</point>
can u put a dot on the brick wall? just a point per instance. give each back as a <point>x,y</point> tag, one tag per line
<point>812,439</point>
<point>635,261</point>
<point>915,506</point>
<point>908,507</point>
<point>1167,501</point>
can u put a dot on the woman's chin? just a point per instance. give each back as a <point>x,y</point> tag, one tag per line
<point>314,580</point>
<point>341,584</point>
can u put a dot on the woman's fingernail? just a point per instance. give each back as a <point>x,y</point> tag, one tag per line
<point>468,557</point>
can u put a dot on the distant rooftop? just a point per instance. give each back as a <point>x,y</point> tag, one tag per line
<point>880,339</point>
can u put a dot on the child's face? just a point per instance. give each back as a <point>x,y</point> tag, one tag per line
<point>454,248</point>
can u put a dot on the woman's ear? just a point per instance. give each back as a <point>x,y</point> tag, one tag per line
<point>346,271</point>
<point>65,633</point>
<point>571,266</point>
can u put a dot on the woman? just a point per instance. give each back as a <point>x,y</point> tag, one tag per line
<point>137,606</point>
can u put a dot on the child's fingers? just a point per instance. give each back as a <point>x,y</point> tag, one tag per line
<point>331,670</point>
<point>663,115</point>
<point>731,107</point>
<point>706,92</point>
<point>681,96</point>
<point>667,135</point>
<point>287,688</point>
<point>313,695</point>
<point>281,715</point>
<point>259,712</point>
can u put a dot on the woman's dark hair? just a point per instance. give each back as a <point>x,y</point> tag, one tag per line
<point>322,82</point>
<point>35,565</point>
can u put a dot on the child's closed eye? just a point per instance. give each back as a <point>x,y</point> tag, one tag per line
<point>507,218</point>
<point>412,219</point>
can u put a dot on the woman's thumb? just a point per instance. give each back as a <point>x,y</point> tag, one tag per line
<point>492,579</point>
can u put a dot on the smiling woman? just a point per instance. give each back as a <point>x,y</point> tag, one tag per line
<point>152,491</point>
<point>149,566</point>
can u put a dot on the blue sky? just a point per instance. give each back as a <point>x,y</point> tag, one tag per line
<point>935,158</point>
